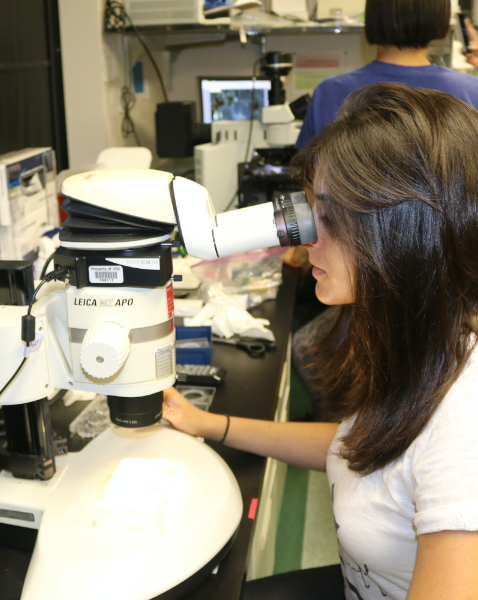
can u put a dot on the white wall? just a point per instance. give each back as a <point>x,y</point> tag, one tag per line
<point>81,45</point>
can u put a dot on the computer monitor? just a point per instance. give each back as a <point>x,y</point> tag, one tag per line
<point>229,98</point>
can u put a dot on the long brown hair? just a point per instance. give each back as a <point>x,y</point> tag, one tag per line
<point>400,172</point>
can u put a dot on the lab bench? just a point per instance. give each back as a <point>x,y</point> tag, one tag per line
<point>253,388</point>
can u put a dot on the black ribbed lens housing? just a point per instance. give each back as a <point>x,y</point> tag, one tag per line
<point>136,412</point>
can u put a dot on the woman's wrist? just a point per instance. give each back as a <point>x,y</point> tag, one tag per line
<point>214,426</point>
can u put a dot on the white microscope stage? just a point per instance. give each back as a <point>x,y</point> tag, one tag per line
<point>73,559</point>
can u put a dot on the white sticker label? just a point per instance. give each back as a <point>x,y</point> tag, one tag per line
<point>165,361</point>
<point>150,264</point>
<point>37,342</point>
<point>105,274</point>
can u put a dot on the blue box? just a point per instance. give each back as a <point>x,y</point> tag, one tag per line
<point>193,356</point>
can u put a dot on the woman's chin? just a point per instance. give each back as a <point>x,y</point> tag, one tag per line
<point>322,295</point>
<point>330,298</point>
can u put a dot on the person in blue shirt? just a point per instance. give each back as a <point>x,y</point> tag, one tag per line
<point>401,29</point>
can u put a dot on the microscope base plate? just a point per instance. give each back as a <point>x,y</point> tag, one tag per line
<point>74,559</point>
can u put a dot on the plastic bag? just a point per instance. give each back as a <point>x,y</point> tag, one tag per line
<point>93,419</point>
<point>256,275</point>
<point>227,317</point>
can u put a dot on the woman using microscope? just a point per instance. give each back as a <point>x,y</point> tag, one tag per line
<point>401,30</point>
<point>394,184</point>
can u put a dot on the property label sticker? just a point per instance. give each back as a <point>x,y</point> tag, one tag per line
<point>37,342</point>
<point>149,264</point>
<point>105,274</point>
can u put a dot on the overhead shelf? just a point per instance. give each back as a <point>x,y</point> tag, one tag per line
<point>187,35</point>
<point>305,28</point>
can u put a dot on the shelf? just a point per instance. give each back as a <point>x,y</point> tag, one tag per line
<point>299,29</point>
<point>184,35</point>
<point>187,35</point>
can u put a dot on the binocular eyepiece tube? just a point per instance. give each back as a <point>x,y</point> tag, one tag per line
<point>288,221</point>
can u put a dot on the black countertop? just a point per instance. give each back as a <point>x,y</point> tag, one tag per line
<point>250,390</point>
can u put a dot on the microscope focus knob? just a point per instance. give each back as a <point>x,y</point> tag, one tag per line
<point>105,348</point>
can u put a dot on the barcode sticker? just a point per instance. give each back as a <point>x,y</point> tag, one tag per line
<point>105,274</point>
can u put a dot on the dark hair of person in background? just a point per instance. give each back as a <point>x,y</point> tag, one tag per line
<point>406,23</point>
<point>397,184</point>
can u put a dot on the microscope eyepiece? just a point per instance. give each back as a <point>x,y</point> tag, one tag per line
<point>294,220</point>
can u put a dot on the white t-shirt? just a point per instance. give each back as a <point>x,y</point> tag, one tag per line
<point>432,487</point>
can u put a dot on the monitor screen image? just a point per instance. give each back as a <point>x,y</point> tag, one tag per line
<point>230,99</point>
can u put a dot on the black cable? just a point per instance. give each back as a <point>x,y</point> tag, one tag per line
<point>150,56</point>
<point>118,21</point>
<point>34,295</point>
<point>47,278</point>
<point>128,100</point>
<point>14,375</point>
<point>45,266</point>
<point>253,99</point>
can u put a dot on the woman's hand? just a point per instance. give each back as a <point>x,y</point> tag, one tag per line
<point>182,414</point>
<point>472,57</point>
